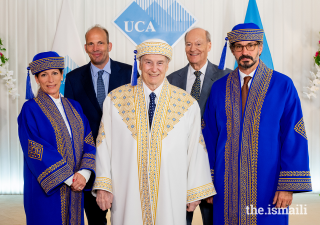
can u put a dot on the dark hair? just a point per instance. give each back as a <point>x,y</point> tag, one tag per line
<point>37,74</point>
<point>100,27</point>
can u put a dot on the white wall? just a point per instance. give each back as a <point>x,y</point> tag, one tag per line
<point>28,27</point>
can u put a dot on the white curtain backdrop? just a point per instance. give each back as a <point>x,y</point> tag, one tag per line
<point>27,27</point>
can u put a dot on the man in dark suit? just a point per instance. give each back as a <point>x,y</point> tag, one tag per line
<point>197,78</point>
<point>89,85</point>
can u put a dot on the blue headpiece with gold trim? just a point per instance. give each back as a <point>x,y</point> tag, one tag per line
<point>241,32</point>
<point>245,32</point>
<point>41,62</point>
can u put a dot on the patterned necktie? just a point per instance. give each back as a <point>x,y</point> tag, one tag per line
<point>101,91</point>
<point>152,107</point>
<point>244,91</point>
<point>195,91</point>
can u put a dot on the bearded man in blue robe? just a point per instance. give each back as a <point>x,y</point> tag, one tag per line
<point>255,135</point>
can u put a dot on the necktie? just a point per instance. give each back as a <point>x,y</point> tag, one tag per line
<point>152,107</point>
<point>101,91</point>
<point>244,92</point>
<point>195,91</point>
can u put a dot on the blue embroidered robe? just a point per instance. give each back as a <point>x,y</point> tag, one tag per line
<point>51,157</point>
<point>255,155</point>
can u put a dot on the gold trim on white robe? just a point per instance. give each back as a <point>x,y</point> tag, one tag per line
<point>152,174</point>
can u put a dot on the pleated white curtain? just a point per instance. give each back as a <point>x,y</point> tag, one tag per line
<point>28,27</point>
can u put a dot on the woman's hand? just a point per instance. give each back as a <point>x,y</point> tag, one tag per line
<point>79,182</point>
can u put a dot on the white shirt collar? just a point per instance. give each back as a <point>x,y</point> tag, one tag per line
<point>147,91</point>
<point>242,75</point>
<point>107,68</point>
<point>56,100</point>
<point>202,70</point>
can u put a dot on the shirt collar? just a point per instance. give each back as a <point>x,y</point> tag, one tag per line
<point>243,75</point>
<point>95,70</point>
<point>202,70</point>
<point>56,100</point>
<point>148,91</point>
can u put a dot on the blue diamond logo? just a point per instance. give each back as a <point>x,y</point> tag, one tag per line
<point>147,19</point>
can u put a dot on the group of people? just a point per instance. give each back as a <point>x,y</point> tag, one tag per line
<point>232,142</point>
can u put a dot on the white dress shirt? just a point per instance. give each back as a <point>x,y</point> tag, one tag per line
<point>84,172</point>
<point>147,93</point>
<point>191,77</point>
<point>105,76</point>
<point>242,75</point>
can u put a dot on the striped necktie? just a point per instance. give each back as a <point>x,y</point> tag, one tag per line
<point>195,91</point>
<point>101,91</point>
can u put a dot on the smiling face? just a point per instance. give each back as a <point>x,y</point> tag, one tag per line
<point>153,70</point>
<point>197,47</point>
<point>247,60</point>
<point>50,81</point>
<point>97,47</point>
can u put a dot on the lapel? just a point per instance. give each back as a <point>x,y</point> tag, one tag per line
<point>88,87</point>
<point>182,80</point>
<point>115,78</point>
<point>210,77</point>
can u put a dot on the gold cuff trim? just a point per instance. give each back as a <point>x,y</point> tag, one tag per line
<point>50,169</point>
<point>103,183</point>
<point>200,192</point>
<point>56,178</point>
<point>283,186</point>
<point>295,174</point>
<point>88,164</point>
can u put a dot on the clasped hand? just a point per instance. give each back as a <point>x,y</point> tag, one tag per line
<point>78,183</point>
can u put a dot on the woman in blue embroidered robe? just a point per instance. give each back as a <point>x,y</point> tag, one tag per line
<point>55,152</point>
<point>254,156</point>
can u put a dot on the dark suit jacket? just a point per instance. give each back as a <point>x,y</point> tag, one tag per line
<point>79,86</point>
<point>179,79</point>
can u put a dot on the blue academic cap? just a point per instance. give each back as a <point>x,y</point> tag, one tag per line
<point>241,32</point>
<point>41,62</point>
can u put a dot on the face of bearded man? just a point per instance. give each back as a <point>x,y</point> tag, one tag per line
<point>247,59</point>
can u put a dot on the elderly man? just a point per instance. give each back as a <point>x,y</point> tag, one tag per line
<point>89,85</point>
<point>198,76</point>
<point>152,162</point>
<point>256,139</point>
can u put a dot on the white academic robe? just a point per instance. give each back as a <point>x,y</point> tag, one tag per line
<point>151,174</point>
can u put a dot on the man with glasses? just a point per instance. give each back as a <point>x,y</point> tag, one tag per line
<point>255,136</point>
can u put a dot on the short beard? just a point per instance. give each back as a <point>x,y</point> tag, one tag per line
<point>247,66</point>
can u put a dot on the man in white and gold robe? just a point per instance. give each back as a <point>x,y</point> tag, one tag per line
<point>152,163</point>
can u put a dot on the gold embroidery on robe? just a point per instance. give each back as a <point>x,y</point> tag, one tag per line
<point>35,150</point>
<point>300,129</point>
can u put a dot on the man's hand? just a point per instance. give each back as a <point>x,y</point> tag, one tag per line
<point>104,199</point>
<point>282,199</point>
<point>78,183</point>
<point>192,206</point>
<point>210,200</point>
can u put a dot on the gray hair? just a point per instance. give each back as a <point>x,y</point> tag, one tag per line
<point>99,27</point>
<point>140,58</point>
<point>208,35</point>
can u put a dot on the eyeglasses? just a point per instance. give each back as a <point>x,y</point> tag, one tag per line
<point>249,47</point>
